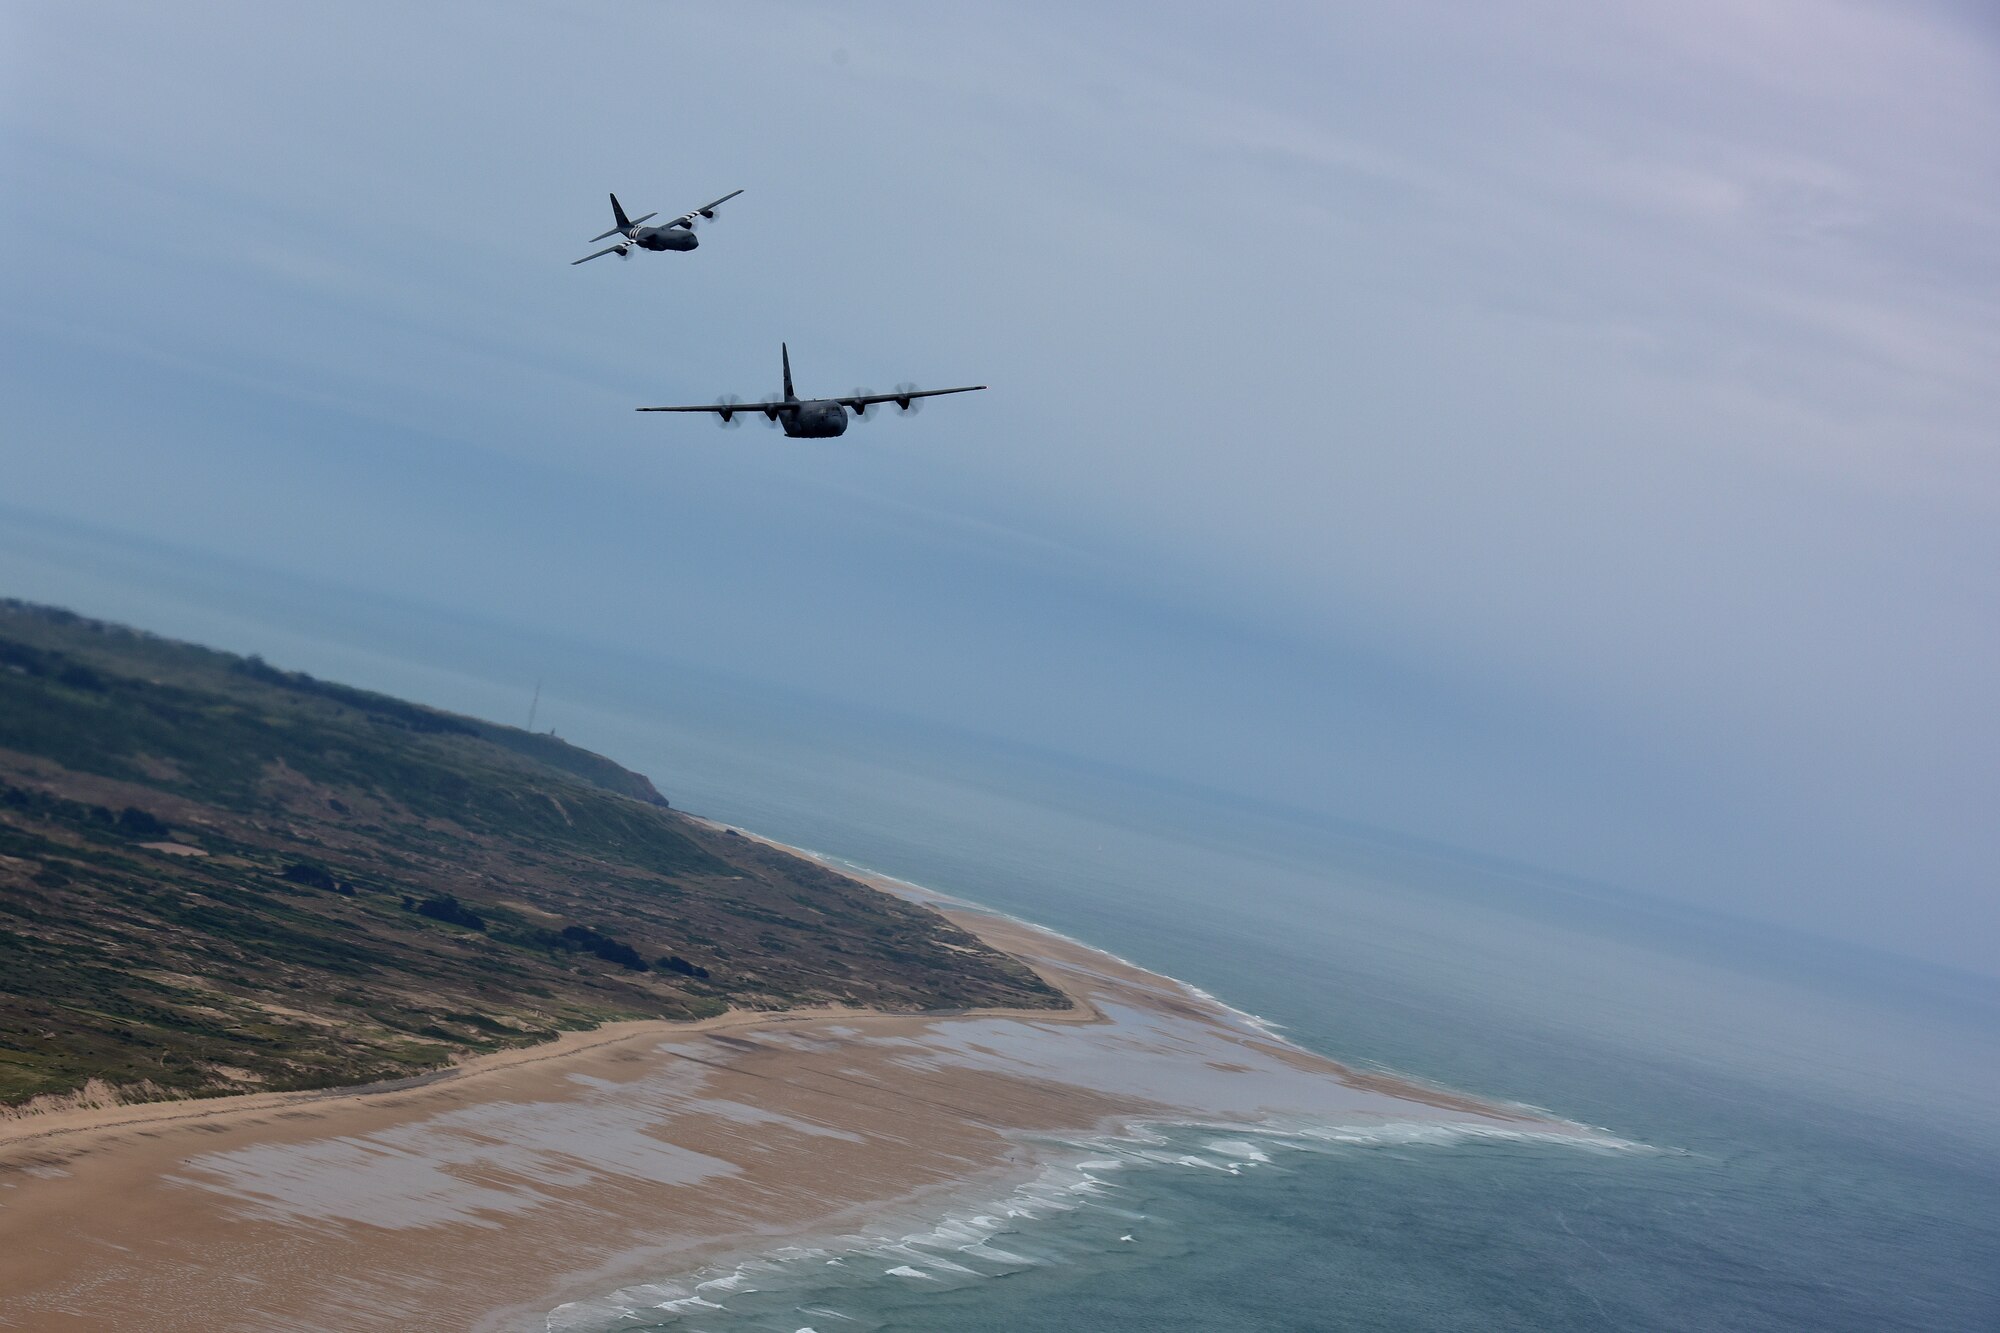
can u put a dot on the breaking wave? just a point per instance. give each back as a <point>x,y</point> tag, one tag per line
<point>839,1281</point>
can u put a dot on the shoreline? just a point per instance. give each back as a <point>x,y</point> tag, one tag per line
<point>538,1177</point>
<point>65,1126</point>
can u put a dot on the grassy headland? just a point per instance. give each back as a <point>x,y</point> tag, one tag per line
<point>216,876</point>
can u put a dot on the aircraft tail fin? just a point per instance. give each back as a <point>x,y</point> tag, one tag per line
<point>624,227</point>
<point>786,353</point>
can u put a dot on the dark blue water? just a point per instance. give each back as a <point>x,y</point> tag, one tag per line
<point>1818,1122</point>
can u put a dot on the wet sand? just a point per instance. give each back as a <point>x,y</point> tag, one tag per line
<point>489,1195</point>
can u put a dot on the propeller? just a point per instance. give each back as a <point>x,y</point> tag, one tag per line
<point>692,221</point>
<point>863,410</point>
<point>728,419</point>
<point>908,405</point>
<point>775,396</point>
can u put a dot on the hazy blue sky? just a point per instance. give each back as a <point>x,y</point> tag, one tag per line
<point>1563,430</point>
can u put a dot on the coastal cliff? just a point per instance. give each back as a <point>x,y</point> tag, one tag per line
<point>218,876</point>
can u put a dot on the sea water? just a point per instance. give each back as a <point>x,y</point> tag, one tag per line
<point>1799,1136</point>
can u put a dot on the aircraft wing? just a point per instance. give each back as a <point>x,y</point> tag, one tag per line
<point>598,254</point>
<point>687,219</point>
<point>852,401</point>
<point>726,410</point>
<point>622,225</point>
<point>902,399</point>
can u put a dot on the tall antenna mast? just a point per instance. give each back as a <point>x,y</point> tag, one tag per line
<point>534,703</point>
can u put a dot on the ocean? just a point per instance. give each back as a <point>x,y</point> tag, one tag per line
<point>1811,1128</point>
<point>1805,1133</point>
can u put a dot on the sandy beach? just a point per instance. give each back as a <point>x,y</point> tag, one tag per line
<point>489,1195</point>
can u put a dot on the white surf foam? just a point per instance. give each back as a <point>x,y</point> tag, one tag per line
<point>1066,1176</point>
<point>958,1246</point>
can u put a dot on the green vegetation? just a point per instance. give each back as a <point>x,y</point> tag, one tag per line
<point>217,876</point>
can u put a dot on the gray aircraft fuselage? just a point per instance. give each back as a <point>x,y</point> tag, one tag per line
<point>664,238</point>
<point>814,419</point>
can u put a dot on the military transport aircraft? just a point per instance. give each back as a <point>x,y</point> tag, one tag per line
<point>675,235</point>
<point>815,418</point>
